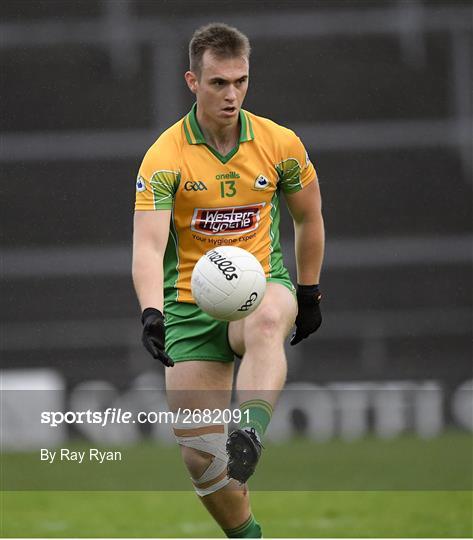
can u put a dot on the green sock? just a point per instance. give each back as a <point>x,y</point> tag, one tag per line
<point>256,413</point>
<point>249,529</point>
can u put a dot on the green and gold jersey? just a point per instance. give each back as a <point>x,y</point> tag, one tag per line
<point>221,200</point>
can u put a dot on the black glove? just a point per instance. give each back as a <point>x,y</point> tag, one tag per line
<point>308,317</point>
<point>153,335</point>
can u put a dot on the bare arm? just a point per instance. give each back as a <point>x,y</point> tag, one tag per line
<point>305,207</point>
<point>150,236</point>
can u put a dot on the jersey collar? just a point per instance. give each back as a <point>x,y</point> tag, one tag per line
<point>194,134</point>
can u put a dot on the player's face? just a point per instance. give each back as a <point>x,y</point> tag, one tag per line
<point>221,87</point>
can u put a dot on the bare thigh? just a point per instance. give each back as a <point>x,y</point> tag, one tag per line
<point>278,306</point>
<point>198,384</point>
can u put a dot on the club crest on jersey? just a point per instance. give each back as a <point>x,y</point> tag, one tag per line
<point>226,221</point>
<point>261,183</point>
<point>140,184</point>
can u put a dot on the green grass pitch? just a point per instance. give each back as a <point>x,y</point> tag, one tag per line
<point>437,501</point>
<point>282,514</point>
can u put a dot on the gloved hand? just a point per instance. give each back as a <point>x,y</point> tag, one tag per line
<point>153,335</point>
<point>308,317</point>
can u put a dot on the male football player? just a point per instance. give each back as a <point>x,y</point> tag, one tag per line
<point>216,178</point>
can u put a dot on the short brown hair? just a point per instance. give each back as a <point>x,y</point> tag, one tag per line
<point>222,40</point>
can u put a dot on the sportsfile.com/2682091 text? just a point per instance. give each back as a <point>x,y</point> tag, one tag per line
<point>113,415</point>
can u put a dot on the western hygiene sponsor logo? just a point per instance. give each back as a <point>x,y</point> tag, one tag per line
<point>227,220</point>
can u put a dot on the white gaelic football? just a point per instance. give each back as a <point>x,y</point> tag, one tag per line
<point>228,283</point>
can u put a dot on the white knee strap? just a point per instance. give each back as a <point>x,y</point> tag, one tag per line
<point>206,439</point>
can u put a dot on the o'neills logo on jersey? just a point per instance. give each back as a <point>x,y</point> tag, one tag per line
<point>226,221</point>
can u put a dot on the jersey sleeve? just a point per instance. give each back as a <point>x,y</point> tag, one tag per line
<point>296,170</point>
<point>156,183</point>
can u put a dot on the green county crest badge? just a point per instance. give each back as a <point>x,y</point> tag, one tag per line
<point>140,184</point>
<point>261,182</point>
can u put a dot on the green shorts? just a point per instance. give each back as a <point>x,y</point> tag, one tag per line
<point>191,334</point>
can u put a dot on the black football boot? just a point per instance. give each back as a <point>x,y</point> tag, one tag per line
<point>244,451</point>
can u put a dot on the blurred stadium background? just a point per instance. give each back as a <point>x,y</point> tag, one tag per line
<point>379,92</point>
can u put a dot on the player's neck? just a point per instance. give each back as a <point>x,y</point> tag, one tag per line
<point>222,138</point>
